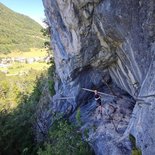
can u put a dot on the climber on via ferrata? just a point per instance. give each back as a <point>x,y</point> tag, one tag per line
<point>98,98</point>
<point>98,101</point>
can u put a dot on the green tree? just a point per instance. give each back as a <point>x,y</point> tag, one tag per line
<point>17,121</point>
<point>64,138</point>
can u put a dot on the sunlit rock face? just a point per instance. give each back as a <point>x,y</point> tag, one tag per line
<point>112,40</point>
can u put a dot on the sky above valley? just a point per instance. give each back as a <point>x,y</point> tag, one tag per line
<point>31,8</point>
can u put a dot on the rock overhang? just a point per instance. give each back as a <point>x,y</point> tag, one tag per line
<point>95,38</point>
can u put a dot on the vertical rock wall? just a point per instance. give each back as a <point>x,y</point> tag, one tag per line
<point>93,39</point>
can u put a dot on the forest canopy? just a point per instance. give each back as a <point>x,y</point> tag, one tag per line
<point>18,32</point>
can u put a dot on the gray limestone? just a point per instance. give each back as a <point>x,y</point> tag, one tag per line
<point>113,40</point>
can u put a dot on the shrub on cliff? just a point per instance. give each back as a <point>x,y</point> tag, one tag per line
<point>64,138</point>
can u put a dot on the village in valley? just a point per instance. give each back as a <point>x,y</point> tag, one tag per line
<point>21,64</point>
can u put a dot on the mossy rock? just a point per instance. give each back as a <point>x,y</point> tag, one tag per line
<point>136,152</point>
<point>135,149</point>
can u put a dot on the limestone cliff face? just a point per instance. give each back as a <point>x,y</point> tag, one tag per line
<point>106,39</point>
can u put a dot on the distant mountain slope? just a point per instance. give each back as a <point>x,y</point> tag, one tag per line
<point>18,32</point>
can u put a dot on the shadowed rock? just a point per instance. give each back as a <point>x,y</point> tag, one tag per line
<point>95,38</point>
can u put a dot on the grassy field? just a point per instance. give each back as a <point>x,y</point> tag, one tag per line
<point>22,68</point>
<point>32,53</point>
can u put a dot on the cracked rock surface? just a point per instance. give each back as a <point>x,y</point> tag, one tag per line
<point>112,40</point>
